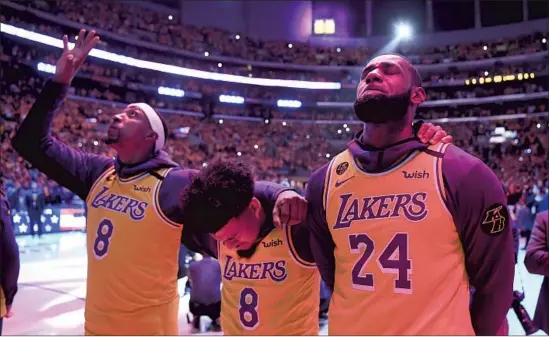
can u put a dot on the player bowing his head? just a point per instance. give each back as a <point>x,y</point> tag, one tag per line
<point>401,230</point>
<point>133,214</point>
<point>270,284</point>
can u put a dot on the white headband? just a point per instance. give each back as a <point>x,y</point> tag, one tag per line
<point>156,124</point>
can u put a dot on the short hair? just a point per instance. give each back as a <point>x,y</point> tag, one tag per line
<point>414,73</point>
<point>218,193</point>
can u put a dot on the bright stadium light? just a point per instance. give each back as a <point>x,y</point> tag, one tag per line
<point>171,92</point>
<point>403,31</point>
<point>285,103</point>
<point>231,99</point>
<point>168,68</point>
<point>48,68</point>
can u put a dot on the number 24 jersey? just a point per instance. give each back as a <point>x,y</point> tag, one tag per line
<point>399,261</point>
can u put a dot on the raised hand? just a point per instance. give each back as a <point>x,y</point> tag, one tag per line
<point>72,59</point>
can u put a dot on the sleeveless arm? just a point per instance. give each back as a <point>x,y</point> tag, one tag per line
<point>322,244</point>
<point>9,253</point>
<point>478,205</point>
<point>73,169</point>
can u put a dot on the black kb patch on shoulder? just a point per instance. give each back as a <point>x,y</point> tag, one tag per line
<point>495,219</point>
<point>341,168</point>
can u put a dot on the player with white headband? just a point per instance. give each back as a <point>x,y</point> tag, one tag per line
<point>133,211</point>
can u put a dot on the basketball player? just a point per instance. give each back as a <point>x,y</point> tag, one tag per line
<point>270,283</point>
<point>399,227</point>
<point>133,225</point>
<point>9,260</point>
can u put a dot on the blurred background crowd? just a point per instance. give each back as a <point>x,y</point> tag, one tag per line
<point>507,128</point>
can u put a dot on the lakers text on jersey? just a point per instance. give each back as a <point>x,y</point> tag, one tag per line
<point>399,261</point>
<point>270,293</point>
<point>132,259</point>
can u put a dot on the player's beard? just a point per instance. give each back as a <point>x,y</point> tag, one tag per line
<point>113,136</point>
<point>382,109</point>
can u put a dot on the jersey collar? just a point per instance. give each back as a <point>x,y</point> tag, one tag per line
<point>377,160</point>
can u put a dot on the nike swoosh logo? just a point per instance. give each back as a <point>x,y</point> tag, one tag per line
<point>339,183</point>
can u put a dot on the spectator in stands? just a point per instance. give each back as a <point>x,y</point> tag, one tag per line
<point>205,281</point>
<point>537,262</point>
<point>525,218</point>
<point>9,260</point>
<point>36,202</point>
<point>543,204</point>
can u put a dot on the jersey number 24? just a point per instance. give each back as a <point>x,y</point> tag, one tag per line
<point>401,266</point>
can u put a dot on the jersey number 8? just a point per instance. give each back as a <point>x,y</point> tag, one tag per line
<point>247,309</point>
<point>401,266</point>
<point>103,239</point>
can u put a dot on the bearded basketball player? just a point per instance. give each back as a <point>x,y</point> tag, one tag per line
<point>401,230</point>
<point>270,281</point>
<point>133,214</point>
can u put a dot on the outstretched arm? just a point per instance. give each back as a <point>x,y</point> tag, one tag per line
<point>73,169</point>
<point>269,193</point>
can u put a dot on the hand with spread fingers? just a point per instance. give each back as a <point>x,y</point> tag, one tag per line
<point>433,134</point>
<point>290,209</point>
<point>72,59</point>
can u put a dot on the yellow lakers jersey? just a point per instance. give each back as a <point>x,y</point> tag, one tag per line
<point>272,293</point>
<point>3,309</point>
<point>399,263</point>
<point>132,258</point>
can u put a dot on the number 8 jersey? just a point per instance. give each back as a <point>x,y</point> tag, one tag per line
<point>132,258</point>
<point>274,292</point>
<point>399,263</point>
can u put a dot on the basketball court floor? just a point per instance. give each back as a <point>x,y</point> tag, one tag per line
<point>52,289</point>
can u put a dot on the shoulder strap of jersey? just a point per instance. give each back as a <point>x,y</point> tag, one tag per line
<point>162,173</point>
<point>437,151</point>
<point>338,166</point>
<point>294,252</point>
